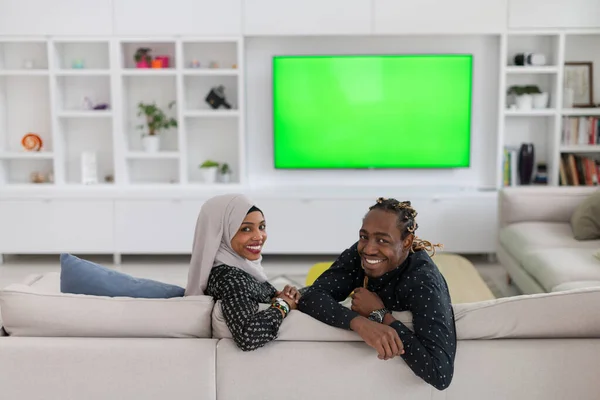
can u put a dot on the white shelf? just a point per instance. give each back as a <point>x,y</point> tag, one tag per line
<point>531,113</point>
<point>149,72</point>
<point>582,148</point>
<point>211,72</point>
<point>220,113</point>
<point>161,155</point>
<point>82,72</point>
<point>581,112</point>
<point>531,70</point>
<point>85,114</point>
<point>24,72</point>
<point>18,155</point>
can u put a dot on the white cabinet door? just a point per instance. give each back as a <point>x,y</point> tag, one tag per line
<point>56,17</point>
<point>435,16</point>
<point>155,226</point>
<point>312,226</point>
<point>554,14</point>
<point>56,226</point>
<point>465,224</point>
<point>307,17</point>
<point>178,17</point>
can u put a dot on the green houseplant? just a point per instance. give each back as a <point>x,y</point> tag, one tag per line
<point>142,57</point>
<point>155,121</point>
<point>208,171</point>
<point>225,173</point>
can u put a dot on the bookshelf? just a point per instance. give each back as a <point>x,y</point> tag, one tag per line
<point>552,129</point>
<point>51,86</point>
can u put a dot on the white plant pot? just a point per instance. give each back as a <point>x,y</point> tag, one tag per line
<point>225,178</point>
<point>151,143</point>
<point>209,175</point>
<point>540,100</point>
<point>524,102</point>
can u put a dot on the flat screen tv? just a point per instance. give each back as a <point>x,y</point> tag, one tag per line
<point>372,111</point>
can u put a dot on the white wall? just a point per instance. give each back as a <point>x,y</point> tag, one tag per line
<point>485,49</point>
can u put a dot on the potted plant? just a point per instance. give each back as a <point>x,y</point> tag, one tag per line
<point>209,170</point>
<point>521,97</point>
<point>156,120</point>
<point>539,99</point>
<point>225,173</point>
<point>142,57</point>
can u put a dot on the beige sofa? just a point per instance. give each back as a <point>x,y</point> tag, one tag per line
<point>72,347</point>
<point>536,243</point>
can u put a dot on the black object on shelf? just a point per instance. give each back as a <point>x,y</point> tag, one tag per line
<point>216,98</point>
<point>526,162</point>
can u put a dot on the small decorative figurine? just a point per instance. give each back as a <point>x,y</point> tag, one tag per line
<point>77,64</point>
<point>195,64</point>
<point>216,97</point>
<point>213,64</point>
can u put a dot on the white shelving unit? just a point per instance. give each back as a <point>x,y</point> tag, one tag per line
<point>544,127</point>
<point>48,84</point>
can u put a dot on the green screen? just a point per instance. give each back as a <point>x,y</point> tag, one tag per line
<point>372,111</point>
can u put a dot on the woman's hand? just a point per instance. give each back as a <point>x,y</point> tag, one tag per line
<point>291,295</point>
<point>292,292</point>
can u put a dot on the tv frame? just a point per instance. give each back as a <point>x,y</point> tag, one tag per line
<point>470,134</point>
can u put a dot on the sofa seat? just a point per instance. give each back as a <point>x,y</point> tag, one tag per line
<point>554,267</point>
<point>521,238</point>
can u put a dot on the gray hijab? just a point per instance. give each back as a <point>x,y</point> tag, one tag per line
<point>219,220</point>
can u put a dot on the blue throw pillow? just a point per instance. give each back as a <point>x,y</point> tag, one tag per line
<point>79,276</point>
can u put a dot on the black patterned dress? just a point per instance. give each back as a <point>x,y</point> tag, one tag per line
<point>240,294</point>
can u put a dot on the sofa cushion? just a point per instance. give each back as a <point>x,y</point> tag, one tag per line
<point>569,314</point>
<point>78,276</point>
<point>523,237</point>
<point>37,308</point>
<point>585,221</point>
<point>552,267</point>
<point>576,285</point>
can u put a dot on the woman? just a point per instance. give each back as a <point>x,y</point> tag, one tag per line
<point>226,264</point>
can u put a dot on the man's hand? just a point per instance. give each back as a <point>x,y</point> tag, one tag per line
<point>381,337</point>
<point>365,302</point>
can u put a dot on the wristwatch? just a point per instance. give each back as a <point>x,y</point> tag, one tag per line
<point>378,315</point>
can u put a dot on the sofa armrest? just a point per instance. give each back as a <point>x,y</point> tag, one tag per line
<point>540,204</point>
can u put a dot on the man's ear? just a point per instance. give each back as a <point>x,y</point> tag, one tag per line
<point>408,242</point>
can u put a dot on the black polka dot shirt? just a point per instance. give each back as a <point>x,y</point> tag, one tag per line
<point>240,293</point>
<point>416,286</point>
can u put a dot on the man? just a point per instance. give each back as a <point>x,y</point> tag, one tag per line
<point>389,269</point>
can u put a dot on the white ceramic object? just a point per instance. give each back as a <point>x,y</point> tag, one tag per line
<point>225,178</point>
<point>151,143</point>
<point>89,168</point>
<point>209,174</point>
<point>524,102</point>
<point>540,100</point>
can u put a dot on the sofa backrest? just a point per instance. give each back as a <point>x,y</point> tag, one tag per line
<point>540,204</point>
<point>557,315</point>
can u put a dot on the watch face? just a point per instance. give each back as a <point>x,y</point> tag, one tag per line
<point>376,316</point>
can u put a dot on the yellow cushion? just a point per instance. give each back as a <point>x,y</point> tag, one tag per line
<point>316,271</point>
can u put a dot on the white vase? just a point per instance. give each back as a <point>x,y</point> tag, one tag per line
<point>151,143</point>
<point>209,174</point>
<point>524,102</point>
<point>540,100</point>
<point>225,178</point>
